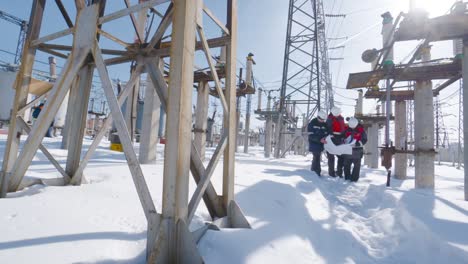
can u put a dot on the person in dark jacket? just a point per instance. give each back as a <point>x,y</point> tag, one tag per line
<point>318,131</point>
<point>36,111</point>
<point>354,131</point>
<point>336,128</point>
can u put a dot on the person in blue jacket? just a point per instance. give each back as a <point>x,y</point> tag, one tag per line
<point>318,131</point>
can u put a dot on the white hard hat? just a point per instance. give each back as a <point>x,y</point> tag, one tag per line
<point>322,115</point>
<point>336,111</point>
<point>353,122</point>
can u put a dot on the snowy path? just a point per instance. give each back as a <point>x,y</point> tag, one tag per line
<point>296,217</point>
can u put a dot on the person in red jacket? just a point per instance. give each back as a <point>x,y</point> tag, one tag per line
<point>354,131</point>
<point>336,128</point>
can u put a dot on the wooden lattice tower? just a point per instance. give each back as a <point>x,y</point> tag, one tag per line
<point>169,240</point>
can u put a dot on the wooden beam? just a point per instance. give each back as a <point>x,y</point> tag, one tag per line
<point>21,93</point>
<point>165,22</point>
<point>196,164</point>
<point>77,120</point>
<point>215,19</point>
<point>44,150</point>
<point>132,9</point>
<point>53,52</point>
<point>214,73</point>
<point>447,83</point>
<point>30,104</point>
<point>134,23</point>
<point>65,15</point>
<point>76,179</point>
<point>69,48</point>
<point>52,36</point>
<point>132,160</point>
<point>114,38</point>
<point>159,82</point>
<point>205,180</point>
<point>79,4</point>
<point>81,48</point>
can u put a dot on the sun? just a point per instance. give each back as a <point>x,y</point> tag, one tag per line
<point>434,7</point>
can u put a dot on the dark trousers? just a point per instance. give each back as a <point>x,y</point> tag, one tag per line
<point>354,174</point>
<point>316,162</point>
<point>331,165</point>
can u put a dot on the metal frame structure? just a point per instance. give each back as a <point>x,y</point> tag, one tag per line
<point>23,24</point>
<point>306,50</point>
<point>168,237</point>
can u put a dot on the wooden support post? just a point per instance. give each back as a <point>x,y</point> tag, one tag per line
<point>84,34</point>
<point>201,118</point>
<point>22,88</point>
<point>172,247</point>
<point>79,114</point>
<point>205,180</point>
<point>72,98</point>
<point>230,116</point>
<point>152,216</point>
<point>76,179</point>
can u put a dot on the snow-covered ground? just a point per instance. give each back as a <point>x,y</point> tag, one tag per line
<point>296,217</point>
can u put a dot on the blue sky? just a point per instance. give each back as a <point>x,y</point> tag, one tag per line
<point>262,31</point>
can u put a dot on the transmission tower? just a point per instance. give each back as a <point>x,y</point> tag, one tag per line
<point>23,24</point>
<point>306,80</point>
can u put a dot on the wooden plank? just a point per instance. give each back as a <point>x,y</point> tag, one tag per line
<point>132,160</point>
<point>196,165</point>
<point>164,51</point>
<point>21,94</point>
<point>76,179</point>
<point>134,23</point>
<point>215,19</point>
<point>53,52</point>
<point>132,9</point>
<point>64,12</point>
<point>114,38</point>
<point>79,4</point>
<point>52,36</point>
<point>44,150</point>
<point>165,22</point>
<point>230,115</point>
<point>205,180</point>
<point>179,112</point>
<point>210,197</point>
<point>160,84</point>
<point>30,104</point>
<point>79,112</point>
<point>80,52</point>
<point>214,73</point>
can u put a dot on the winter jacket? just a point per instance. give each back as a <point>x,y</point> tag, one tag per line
<point>360,135</point>
<point>336,127</point>
<point>36,112</point>
<point>317,130</point>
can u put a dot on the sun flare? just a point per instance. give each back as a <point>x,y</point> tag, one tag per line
<point>434,7</point>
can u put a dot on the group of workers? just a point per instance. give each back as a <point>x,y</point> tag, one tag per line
<point>334,127</point>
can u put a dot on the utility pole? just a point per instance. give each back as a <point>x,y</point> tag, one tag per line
<point>248,82</point>
<point>238,111</point>
<point>437,123</point>
<point>460,123</point>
